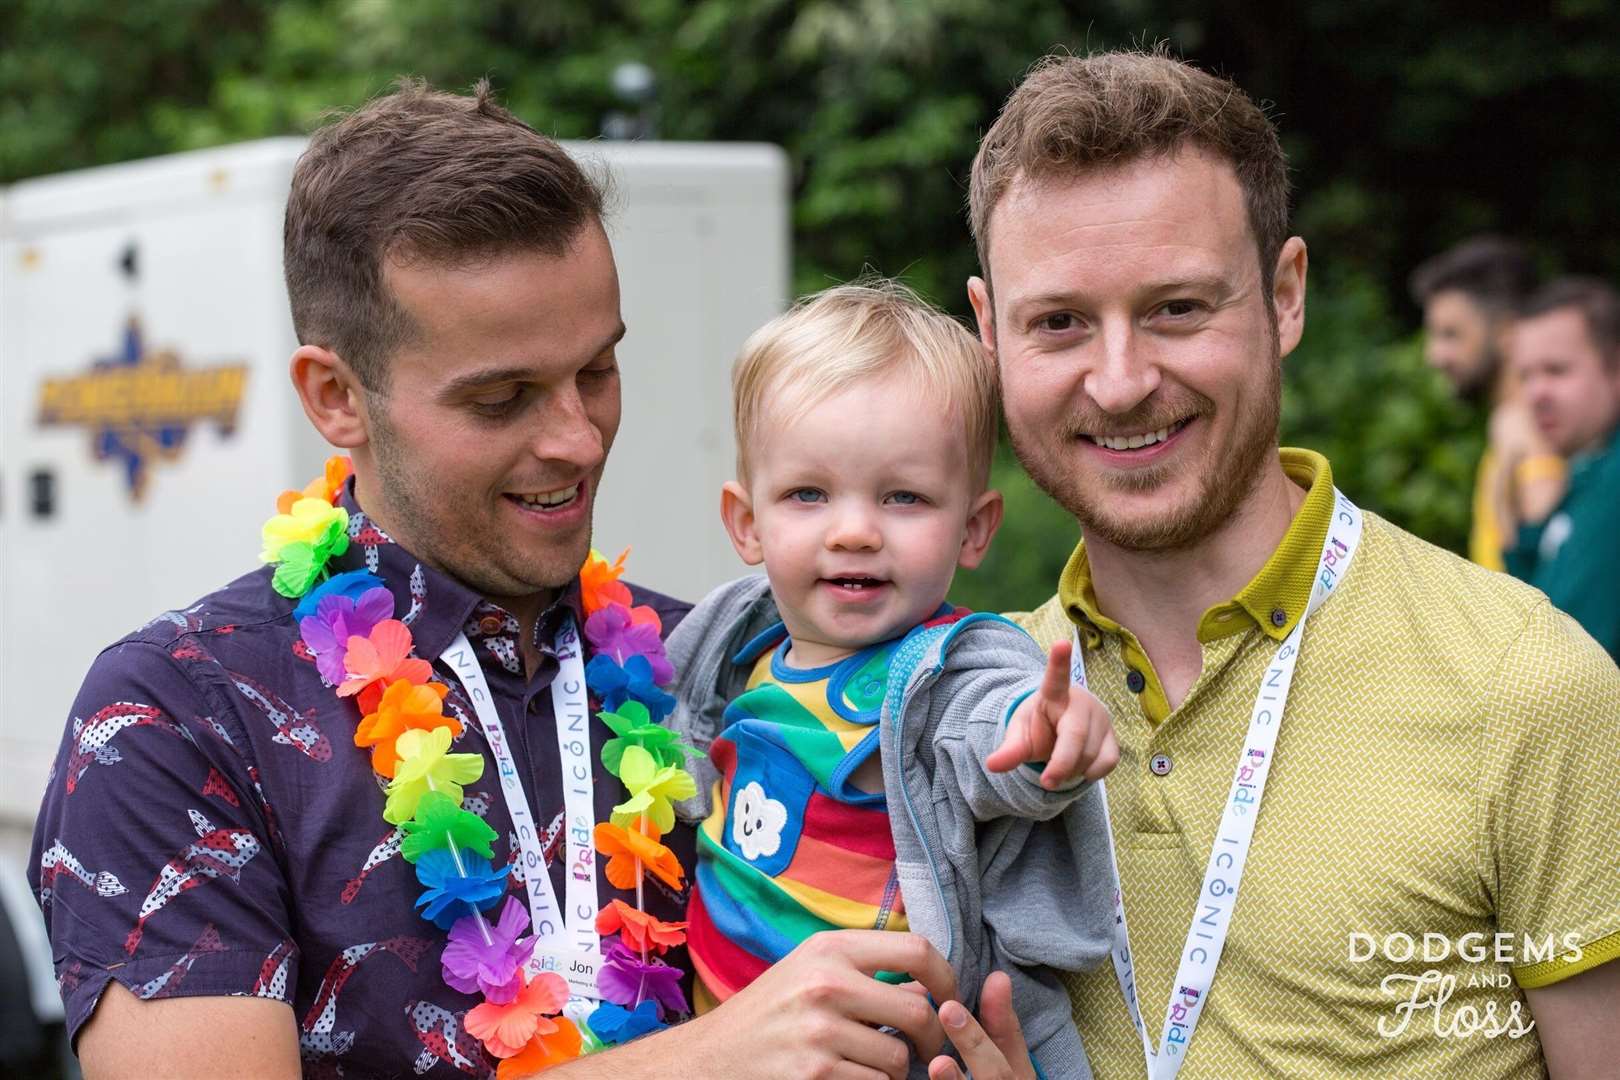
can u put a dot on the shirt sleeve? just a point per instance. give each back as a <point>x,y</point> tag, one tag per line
<point>1041,856</point>
<point>152,855</point>
<point>981,687</point>
<point>1523,558</point>
<point>1550,800</point>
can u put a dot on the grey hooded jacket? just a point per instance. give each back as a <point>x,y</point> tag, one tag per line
<point>997,872</point>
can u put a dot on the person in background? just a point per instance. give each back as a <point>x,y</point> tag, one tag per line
<point>1469,294</point>
<point>1565,355</point>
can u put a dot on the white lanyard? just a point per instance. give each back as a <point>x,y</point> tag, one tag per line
<point>1212,915</point>
<point>570,946</point>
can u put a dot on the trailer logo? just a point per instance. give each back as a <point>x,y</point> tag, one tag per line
<point>140,406</point>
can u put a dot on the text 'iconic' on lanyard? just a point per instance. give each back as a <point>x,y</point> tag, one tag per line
<point>1212,915</point>
<point>568,946</point>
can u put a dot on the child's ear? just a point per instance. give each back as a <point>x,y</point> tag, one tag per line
<point>984,518</point>
<point>737,514</point>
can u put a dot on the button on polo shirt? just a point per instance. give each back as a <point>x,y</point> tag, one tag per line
<point>1445,766</point>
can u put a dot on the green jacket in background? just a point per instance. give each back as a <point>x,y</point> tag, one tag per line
<point>1574,556</point>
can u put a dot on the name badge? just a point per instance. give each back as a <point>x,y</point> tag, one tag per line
<point>577,967</point>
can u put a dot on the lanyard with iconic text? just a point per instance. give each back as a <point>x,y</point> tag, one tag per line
<point>1212,915</point>
<point>570,946</point>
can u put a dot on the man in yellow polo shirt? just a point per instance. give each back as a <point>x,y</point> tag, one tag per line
<point>1383,844</point>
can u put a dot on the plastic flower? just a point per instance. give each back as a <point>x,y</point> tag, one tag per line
<point>404,706</point>
<point>632,726</point>
<point>336,620</point>
<point>471,966</point>
<point>626,979</point>
<point>623,848</point>
<point>425,765</point>
<point>307,521</point>
<point>453,890</point>
<point>382,656</point>
<point>599,583</point>
<point>555,1041</point>
<point>638,930</point>
<point>440,822</point>
<point>653,789</point>
<point>301,542</point>
<point>614,631</point>
<point>615,684</point>
<point>507,1027</point>
<point>614,1024</point>
<point>354,584</point>
<point>328,486</point>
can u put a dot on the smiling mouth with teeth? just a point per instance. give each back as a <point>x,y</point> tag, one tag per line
<point>855,584</point>
<point>1136,442</point>
<point>547,500</point>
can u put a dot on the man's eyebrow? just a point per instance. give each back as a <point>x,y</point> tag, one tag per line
<point>1067,298</point>
<point>1041,300</point>
<point>1194,283</point>
<point>474,380</point>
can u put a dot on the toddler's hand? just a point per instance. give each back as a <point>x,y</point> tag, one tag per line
<point>1061,725</point>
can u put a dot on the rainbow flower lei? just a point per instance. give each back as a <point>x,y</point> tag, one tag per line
<point>346,621</point>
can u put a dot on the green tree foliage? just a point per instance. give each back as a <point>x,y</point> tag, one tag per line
<point>1408,125</point>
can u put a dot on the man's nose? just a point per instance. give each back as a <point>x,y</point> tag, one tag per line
<point>853,528</point>
<point>566,432</point>
<point>1124,371</point>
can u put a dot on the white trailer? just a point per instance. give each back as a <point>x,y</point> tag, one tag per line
<point>147,423</point>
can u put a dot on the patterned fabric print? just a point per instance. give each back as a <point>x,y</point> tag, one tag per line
<point>793,846</point>
<point>1446,766</point>
<point>197,835</point>
<point>496,631</point>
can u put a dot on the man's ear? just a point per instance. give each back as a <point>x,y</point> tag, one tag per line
<point>984,313</point>
<point>984,518</point>
<point>1288,294</point>
<point>331,396</point>
<point>737,514</point>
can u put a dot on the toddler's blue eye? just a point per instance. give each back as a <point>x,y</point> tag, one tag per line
<point>805,495</point>
<point>906,498</point>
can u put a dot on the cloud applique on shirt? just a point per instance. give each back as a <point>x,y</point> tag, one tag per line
<point>756,822</point>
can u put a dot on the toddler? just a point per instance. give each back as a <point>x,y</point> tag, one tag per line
<point>868,743</point>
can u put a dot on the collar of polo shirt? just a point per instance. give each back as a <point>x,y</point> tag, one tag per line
<point>1272,601</point>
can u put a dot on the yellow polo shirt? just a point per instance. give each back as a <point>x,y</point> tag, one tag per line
<point>1484,538</point>
<point>1448,765</point>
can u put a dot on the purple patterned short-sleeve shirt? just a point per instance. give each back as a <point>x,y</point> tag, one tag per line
<point>210,827</point>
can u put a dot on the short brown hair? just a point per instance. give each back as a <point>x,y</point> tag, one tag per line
<point>867,329</point>
<point>416,174</point>
<point>1598,304</point>
<point>1494,272</point>
<point>1074,113</point>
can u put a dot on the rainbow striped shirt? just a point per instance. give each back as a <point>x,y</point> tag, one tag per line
<point>792,846</point>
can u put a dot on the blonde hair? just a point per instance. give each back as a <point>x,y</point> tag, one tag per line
<point>866,329</point>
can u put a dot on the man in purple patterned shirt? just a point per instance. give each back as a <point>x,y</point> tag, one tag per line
<point>223,894</point>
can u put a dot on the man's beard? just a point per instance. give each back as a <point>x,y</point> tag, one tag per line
<point>1476,391</point>
<point>427,521</point>
<point>1228,476</point>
